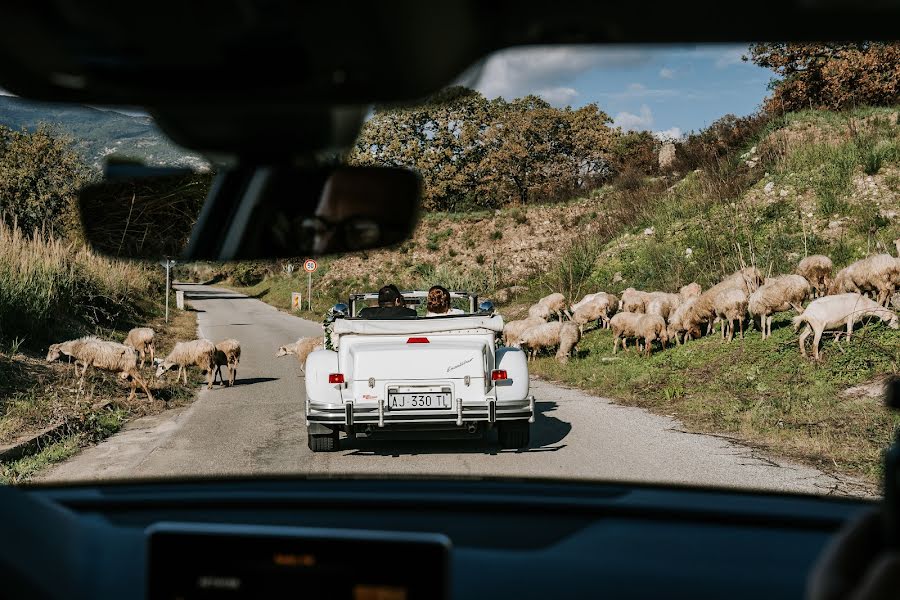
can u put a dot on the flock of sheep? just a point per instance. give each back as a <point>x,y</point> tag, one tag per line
<point>127,359</point>
<point>837,302</point>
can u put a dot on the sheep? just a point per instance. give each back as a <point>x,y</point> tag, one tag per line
<point>878,274</point>
<point>585,300</point>
<point>624,326</point>
<point>302,348</point>
<point>677,321</point>
<point>634,301</point>
<point>228,354</point>
<point>548,335</point>
<point>842,283</point>
<point>731,306</point>
<point>142,339</point>
<point>513,330</point>
<point>776,295</point>
<point>598,310</point>
<point>539,311</point>
<point>651,327</point>
<point>817,271</point>
<point>662,304</point>
<point>835,312</point>
<point>91,351</point>
<point>691,290</point>
<point>553,304</point>
<point>201,353</point>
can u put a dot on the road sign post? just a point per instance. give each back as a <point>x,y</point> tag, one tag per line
<point>168,264</point>
<point>309,265</point>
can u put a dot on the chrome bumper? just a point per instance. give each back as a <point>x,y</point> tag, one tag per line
<point>354,414</point>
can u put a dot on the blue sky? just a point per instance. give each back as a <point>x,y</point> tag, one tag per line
<point>670,90</point>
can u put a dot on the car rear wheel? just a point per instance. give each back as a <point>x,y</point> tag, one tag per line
<point>514,434</point>
<point>323,442</point>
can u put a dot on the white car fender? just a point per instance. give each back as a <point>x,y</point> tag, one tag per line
<point>320,364</point>
<point>514,362</point>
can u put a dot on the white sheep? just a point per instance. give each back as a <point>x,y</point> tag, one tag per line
<point>836,312</point>
<point>691,290</point>
<point>142,339</point>
<point>552,304</point>
<point>650,327</point>
<point>677,320</point>
<point>777,295</point>
<point>201,353</point>
<point>302,348</point>
<point>91,351</point>
<point>634,301</point>
<point>228,354</point>
<point>662,304</point>
<point>878,274</point>
<point>599,309</point>
<point>817,271</point>
<point>731,306</point>
<point>561,334</point>
<point>624,326</point>
<point>513,330</point>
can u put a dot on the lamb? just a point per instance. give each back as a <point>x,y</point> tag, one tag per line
<point>624,326</point>
<point>731,306</point>
<point>599,309</point>
<point>91,351</point>
<point>513,330</point>
<point>228,354</point>
<point>691,290</point>
<point>779,294</point>
<point>201,353</point>
<point>302,348</point>
<point>878,274</point>
<point>549,335</point>
<point>143,340</point>
<point>817,271</point>
<point>677,321</point>
<point>838,311</point>
<point>651,327</point>
<point>634,301</point>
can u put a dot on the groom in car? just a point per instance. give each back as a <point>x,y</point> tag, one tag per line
<point>390,306</point>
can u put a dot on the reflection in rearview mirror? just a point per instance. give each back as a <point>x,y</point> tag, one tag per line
<point>144,217</point>
<point>276,213</point>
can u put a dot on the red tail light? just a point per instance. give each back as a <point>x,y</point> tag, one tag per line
<point>417,340</point>
<point>335,378</point>
<point>498,375</point>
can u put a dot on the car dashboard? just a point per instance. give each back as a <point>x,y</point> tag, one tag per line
<point>389,539</point>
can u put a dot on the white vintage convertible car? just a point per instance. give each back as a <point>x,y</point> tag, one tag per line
<point>417,374</point>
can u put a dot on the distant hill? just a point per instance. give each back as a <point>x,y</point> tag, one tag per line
<point>99,133</point>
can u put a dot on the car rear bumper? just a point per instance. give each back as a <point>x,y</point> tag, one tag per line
<point>376,413</point>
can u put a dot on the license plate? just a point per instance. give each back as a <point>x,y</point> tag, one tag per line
<point>425,400</point>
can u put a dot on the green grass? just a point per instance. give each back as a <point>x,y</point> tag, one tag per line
<point>23,469</point>
<point>760,391</point>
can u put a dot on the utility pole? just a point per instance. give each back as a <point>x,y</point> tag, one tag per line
<point>168,264</point>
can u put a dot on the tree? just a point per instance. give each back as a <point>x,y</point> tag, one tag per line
<point>40,175</point>
<point>832,76</point>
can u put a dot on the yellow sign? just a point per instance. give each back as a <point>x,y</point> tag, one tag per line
<point>296,300</point>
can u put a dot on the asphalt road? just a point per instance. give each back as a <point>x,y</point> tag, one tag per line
<point>257,427</point>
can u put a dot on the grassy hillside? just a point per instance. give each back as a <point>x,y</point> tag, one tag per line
<point>98,133</point>
<point>810,182</point>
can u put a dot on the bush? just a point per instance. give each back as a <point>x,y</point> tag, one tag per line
<point>247,274</point>
<point>570,274</point>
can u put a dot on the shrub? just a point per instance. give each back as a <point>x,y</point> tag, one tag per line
<point>247,273</point>
<point>518,215</point>
<point>574,267</point>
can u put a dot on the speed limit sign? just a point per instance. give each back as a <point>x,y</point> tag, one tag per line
<point>309,265</point>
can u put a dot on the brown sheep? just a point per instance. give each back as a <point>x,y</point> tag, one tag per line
<point>142,339</point>
<point>817,271</point>
<point>228,354</point>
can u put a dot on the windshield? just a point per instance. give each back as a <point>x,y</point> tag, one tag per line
<point>689,257</point>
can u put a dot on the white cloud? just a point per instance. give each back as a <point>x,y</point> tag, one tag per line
<point>730,56</point>
<point>671,134</point>
<point>667,73</point>
<point>632,122</point>
<point>549,70</point>
<point>558,96</point>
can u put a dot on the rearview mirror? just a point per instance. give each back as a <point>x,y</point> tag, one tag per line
<point>248,214</point>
